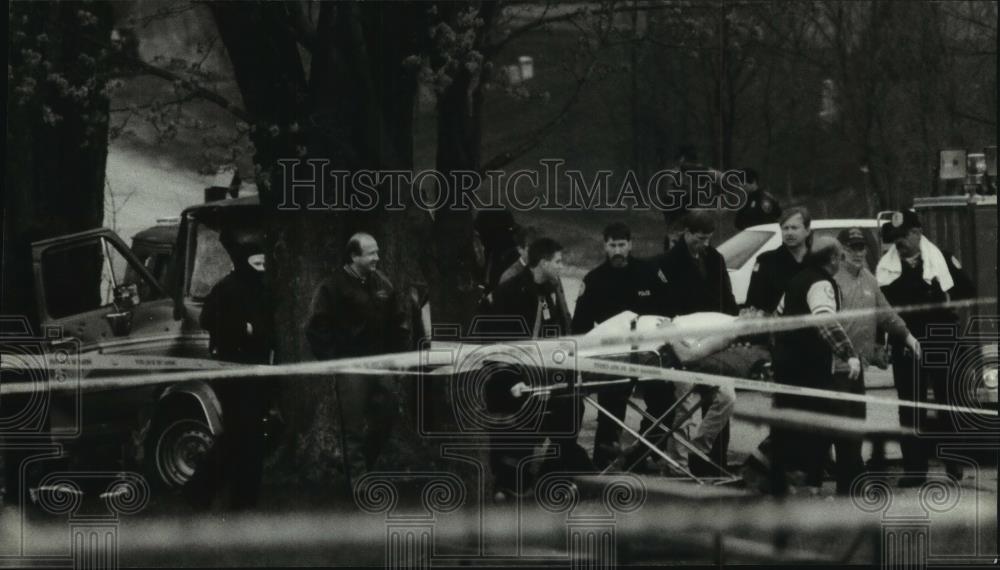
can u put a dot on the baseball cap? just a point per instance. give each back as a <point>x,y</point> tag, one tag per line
<point>850,236</point>
<point>899,224</point>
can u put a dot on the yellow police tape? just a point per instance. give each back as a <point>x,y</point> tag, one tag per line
<point>558,353</point>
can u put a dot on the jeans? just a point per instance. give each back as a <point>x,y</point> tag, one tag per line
<point>721,402</point>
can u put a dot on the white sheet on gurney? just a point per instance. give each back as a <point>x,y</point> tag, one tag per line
<point>621,324</point>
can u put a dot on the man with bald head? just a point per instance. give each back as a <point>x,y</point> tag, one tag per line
<point>806,357</point>
<point>356,312</point>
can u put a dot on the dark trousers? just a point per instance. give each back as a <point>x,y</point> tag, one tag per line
<point>234,466</point>
<point>793,449</point>
<point>368,410</point>
<point>849,464</point>
<point>243,409</point>
<point>912,382</point>
<point>521,424</point>
<point>658,397</point>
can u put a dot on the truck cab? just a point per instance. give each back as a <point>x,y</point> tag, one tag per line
<point>108,299</point>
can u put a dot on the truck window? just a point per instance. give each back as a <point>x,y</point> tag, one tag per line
<point>211,262</point>
<point>85,276</point>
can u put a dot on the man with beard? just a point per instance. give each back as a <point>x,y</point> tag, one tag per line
<point>774,269</point>
<point>621,283</point>
<point>238,317</point>
<point>695,280</point>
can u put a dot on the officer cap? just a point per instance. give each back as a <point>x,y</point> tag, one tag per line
<point>850,236</point>
<point>899,224</point>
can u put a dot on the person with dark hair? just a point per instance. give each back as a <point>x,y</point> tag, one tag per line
<point>694,280</point>
<point>914,271</point>
<point>356,312</point>
<point>238,316</point>
<point>495,229</point>
<point>686,191</point>
<point>805,357</point>
<point>621,283</point>
<point>760,208</point>
<point>775,268</point>
<point>530,304</point>
<point>523,237</point>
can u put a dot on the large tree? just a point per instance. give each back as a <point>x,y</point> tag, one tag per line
<point>57,131</point>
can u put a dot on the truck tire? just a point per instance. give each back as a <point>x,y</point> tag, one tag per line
<point>179,455</point>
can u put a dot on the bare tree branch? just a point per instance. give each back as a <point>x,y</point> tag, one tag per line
<point>195,89</point>
<point>571,16</point>
<point>506,157</point>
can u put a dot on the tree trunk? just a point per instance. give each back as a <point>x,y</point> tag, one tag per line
<point>57,133</point>
<point>354,111</point>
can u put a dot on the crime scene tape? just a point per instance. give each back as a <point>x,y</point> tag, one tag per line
<point>645,373</point>
<point>128,362</point>
<point>442,355</point>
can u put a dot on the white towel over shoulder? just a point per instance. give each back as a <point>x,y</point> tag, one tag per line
<point>890,267</point>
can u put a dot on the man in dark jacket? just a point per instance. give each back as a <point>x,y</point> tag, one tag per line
<point>775,268</point>
<point>693,273</point>
<point>694,279</point>
<point>530,302</point>
<point>356,312</point>
<point>805,357</point>
<point>238,317</point>
<point>621,283</point>
<point>914,272</point>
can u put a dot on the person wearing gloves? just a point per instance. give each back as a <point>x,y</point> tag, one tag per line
<point>914,271</point>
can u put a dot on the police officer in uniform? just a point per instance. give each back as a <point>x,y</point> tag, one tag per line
<point>357,312</point>
<point>621,283</point>
<point>238,317</point>
<point>805,357</point>
<point>914,271</point>
<point>775,268</point>
<point>530,302</point>
<point>760,208</point>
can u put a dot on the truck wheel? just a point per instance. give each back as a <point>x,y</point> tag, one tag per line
<point>177,447</point>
